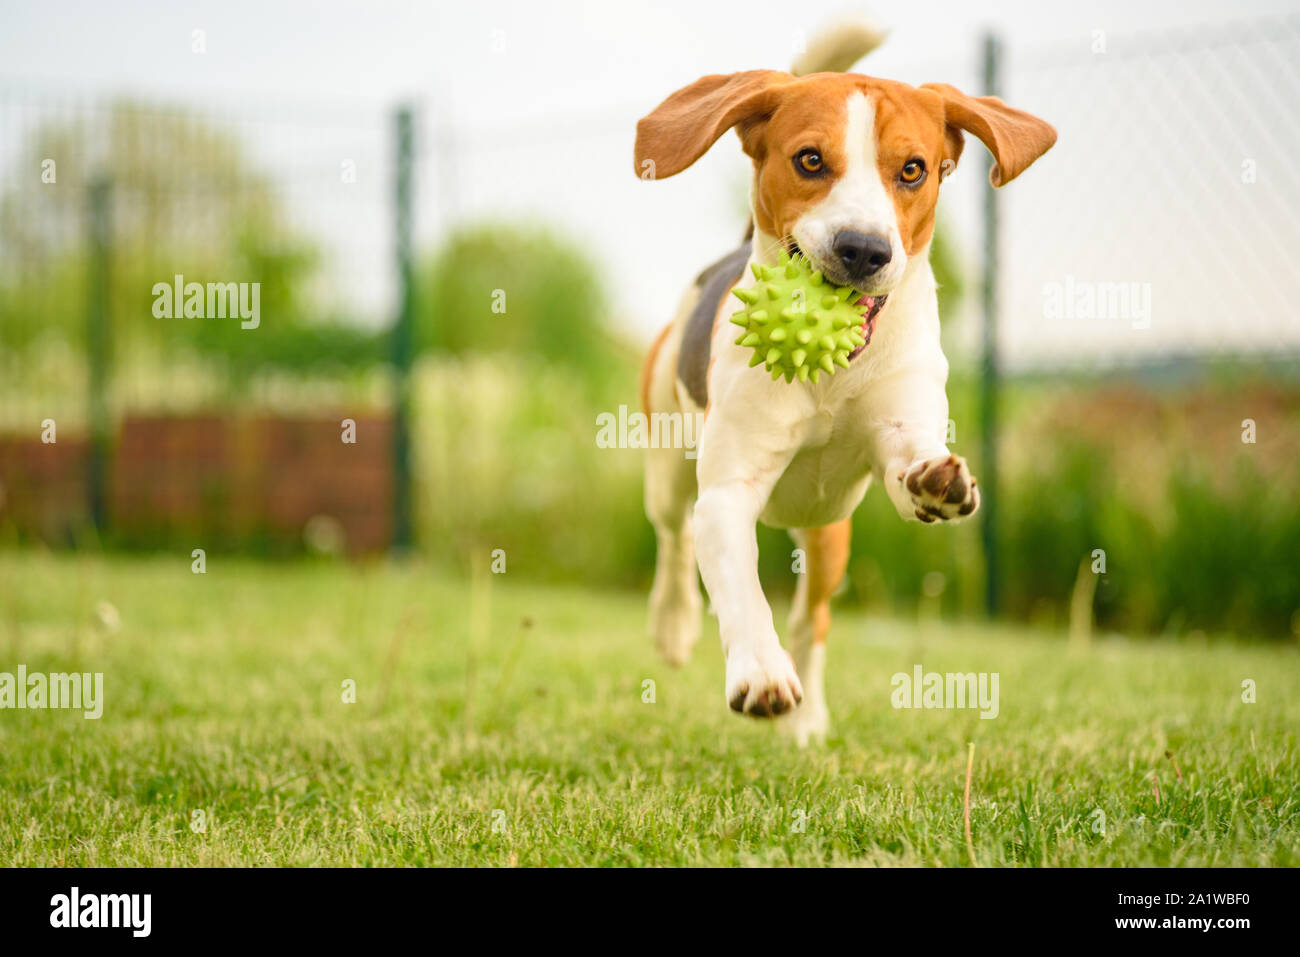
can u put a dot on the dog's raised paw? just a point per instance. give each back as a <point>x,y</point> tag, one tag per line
<point>762,684</point>
<point>942,489</point>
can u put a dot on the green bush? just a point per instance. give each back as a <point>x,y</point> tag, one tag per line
<point>1200,531</point>
<point>504,289</point>
<point>507,458</point>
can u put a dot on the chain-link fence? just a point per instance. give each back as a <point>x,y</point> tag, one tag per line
<point>1160,226</point>
<point>1157,230</point>
<point>293,198</point>
<point>167,270</point>
<point>1168,227</point>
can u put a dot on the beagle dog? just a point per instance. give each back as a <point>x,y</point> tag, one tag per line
<point>846,172</point>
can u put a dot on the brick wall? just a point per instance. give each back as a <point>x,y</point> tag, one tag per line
<point>43,488</point>
<point>248,482</point>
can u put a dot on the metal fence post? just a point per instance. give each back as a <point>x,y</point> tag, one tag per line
<point>403,339</point>
<point>98,341</point>
<point>992,57</point>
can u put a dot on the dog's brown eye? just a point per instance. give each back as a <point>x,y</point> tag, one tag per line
<point>809,162</point>
<point>913,172</point>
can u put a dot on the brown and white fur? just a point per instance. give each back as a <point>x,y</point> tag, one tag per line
<point>800,455</point>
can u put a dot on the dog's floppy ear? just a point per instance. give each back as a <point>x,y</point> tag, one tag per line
<point>682,128</point>
<point>1014,137</point>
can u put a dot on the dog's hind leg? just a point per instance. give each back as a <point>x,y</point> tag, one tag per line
<point>675,605</point>
<point>826,554</point>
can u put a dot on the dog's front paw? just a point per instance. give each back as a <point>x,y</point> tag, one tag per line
<point>761,682</point>
<point>942,489</point>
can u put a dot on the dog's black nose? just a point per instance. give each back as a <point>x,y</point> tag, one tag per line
<point>863,254</point>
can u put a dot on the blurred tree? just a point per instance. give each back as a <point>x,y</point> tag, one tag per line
<point>502,288</point>
<point>185,200</point>
<point>947,272</point>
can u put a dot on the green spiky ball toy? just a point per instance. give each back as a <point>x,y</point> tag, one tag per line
<point>798,324</point>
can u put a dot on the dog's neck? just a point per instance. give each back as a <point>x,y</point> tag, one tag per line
<point>765,248</point>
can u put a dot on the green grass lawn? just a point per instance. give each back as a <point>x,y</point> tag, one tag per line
<point>511,730</point>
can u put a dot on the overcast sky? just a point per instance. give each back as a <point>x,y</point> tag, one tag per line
<point>491,61</point>
<point>538,100</point>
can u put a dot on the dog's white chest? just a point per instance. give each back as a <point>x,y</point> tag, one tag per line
<point>829,473</point>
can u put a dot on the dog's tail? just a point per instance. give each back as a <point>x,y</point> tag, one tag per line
<point>839,46</point>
